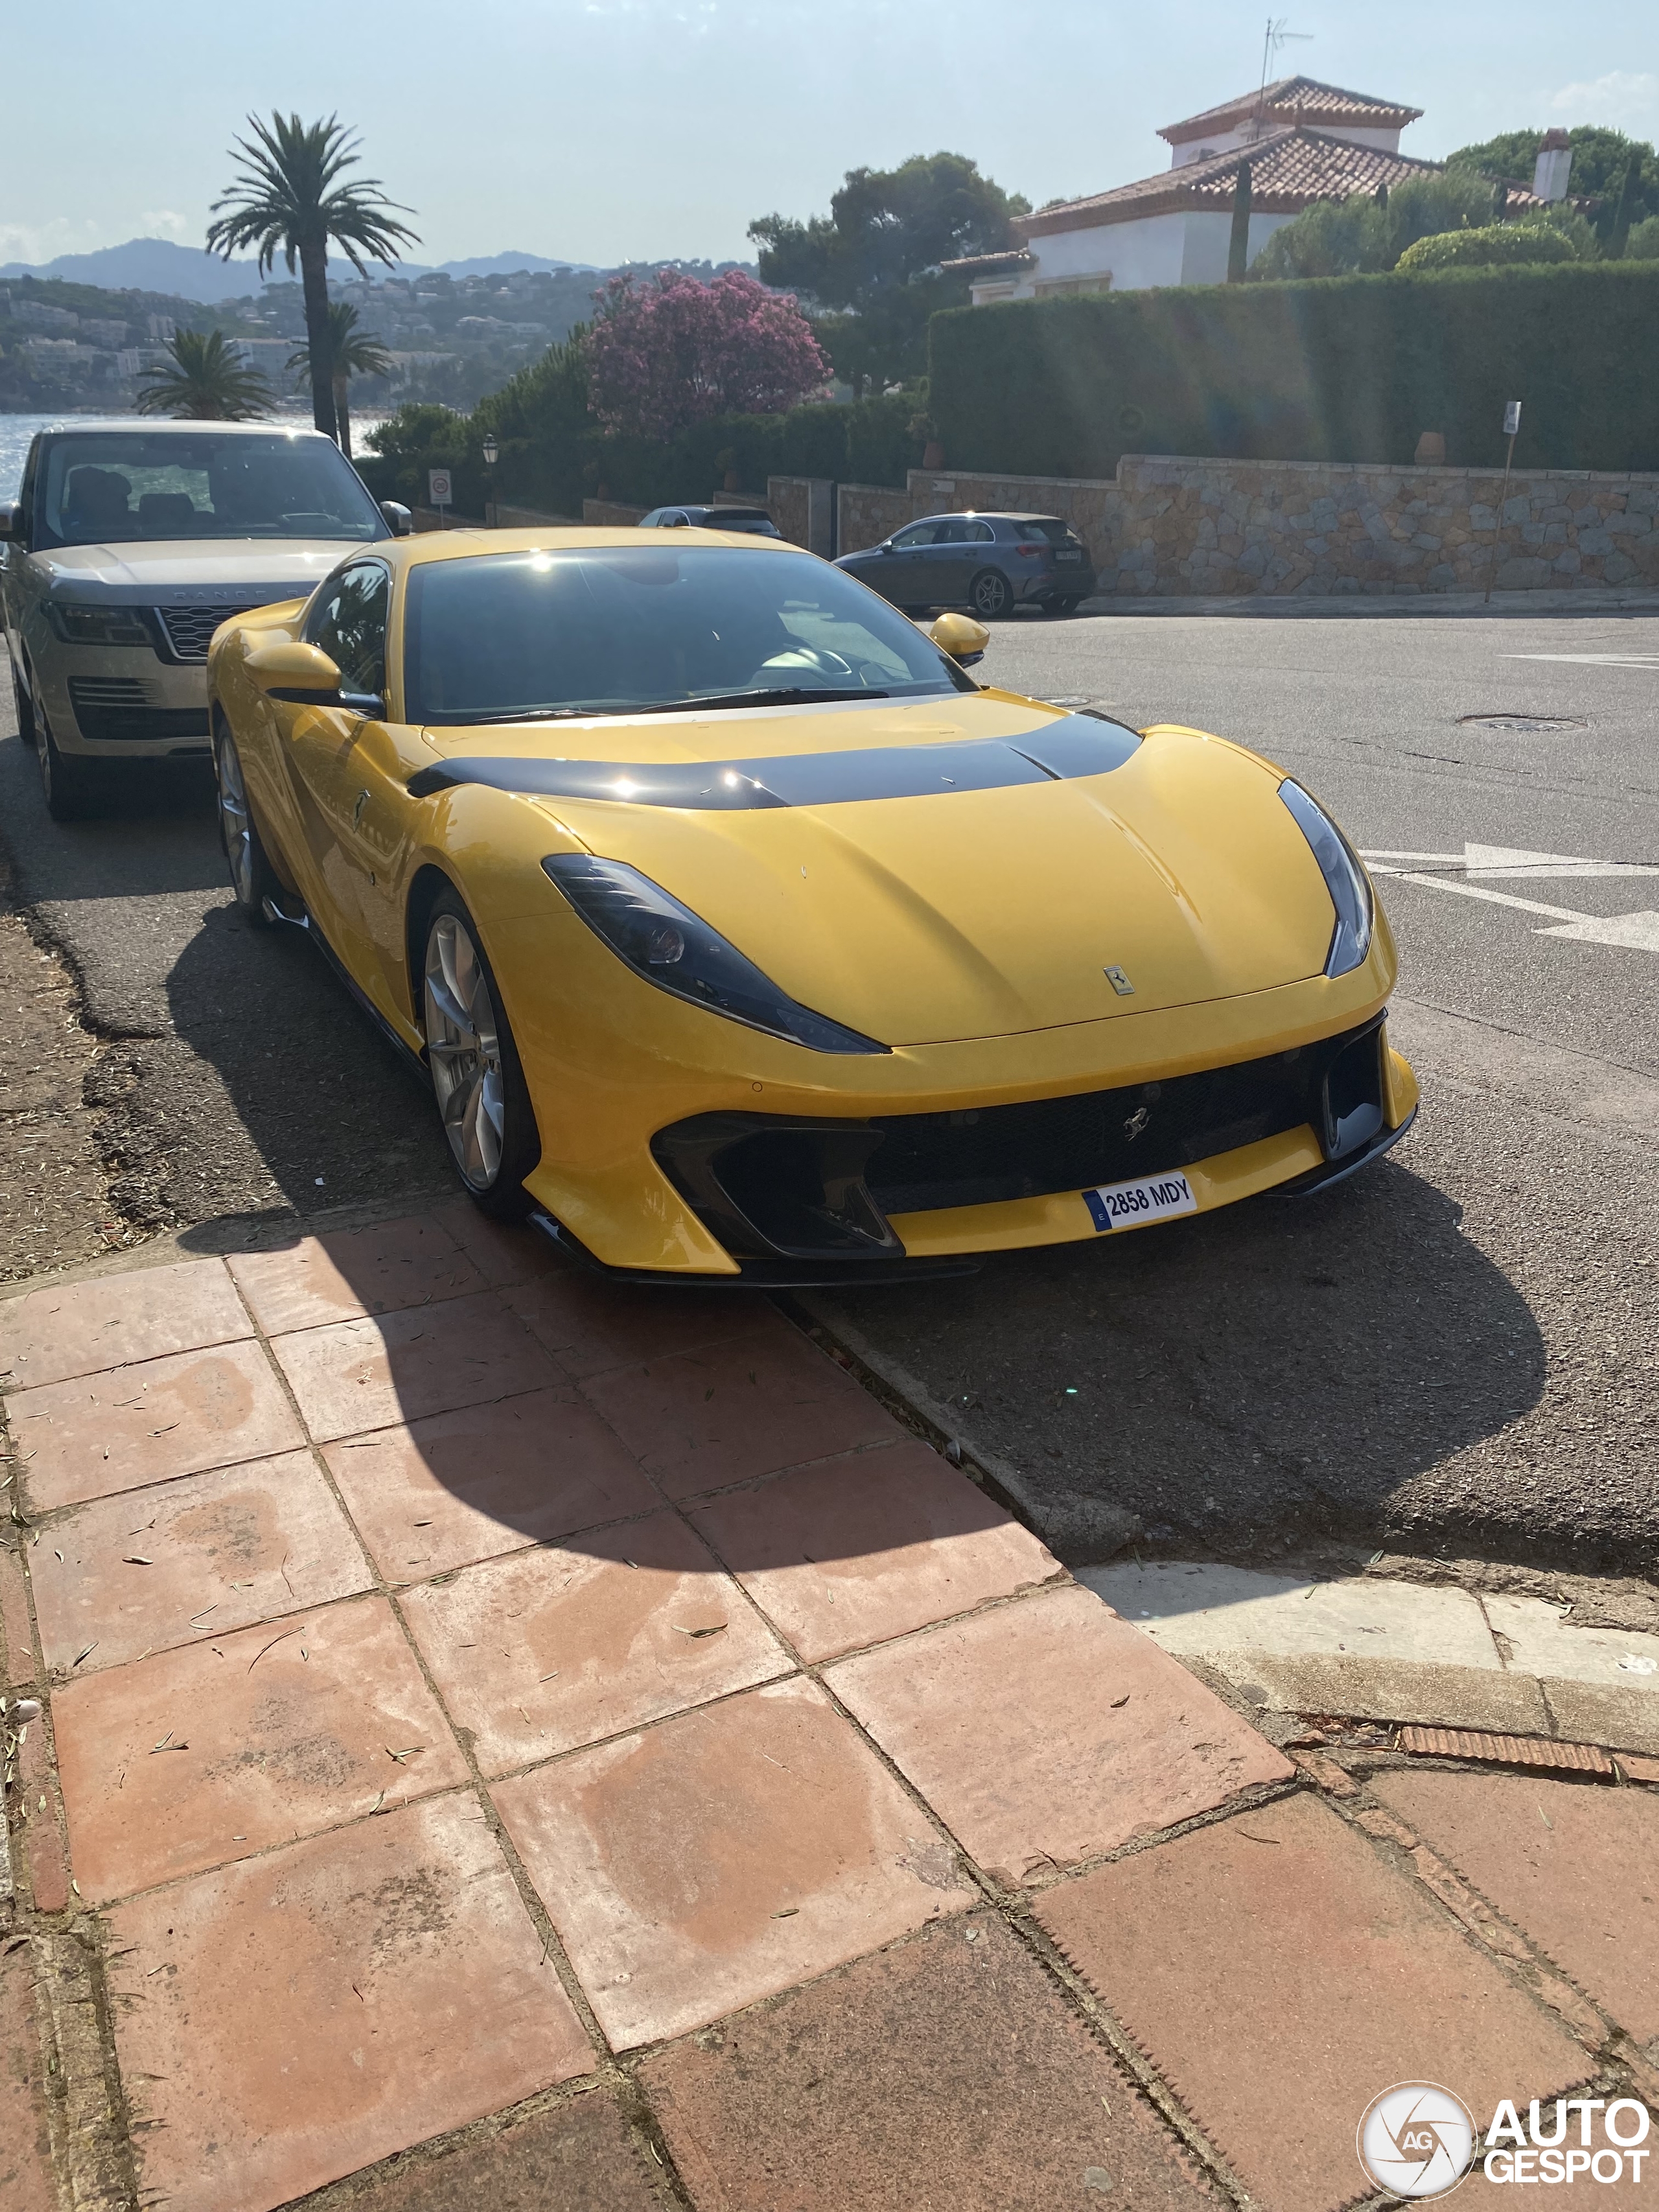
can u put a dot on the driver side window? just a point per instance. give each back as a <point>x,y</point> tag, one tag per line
<point>350,624</point>
<point>919,533</point>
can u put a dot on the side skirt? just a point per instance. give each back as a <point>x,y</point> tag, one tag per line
<point>413,1061</point>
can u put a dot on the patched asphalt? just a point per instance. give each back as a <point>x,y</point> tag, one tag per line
<point>1455,1354</point>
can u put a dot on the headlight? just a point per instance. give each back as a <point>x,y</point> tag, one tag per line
<point>666,944</point>
<point>1345,879</point>
<point>83,625</point>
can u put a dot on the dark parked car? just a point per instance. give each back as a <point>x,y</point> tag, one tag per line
<point>755,522</point>
<point>989,564</point>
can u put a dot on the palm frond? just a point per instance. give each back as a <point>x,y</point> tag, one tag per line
<point>208,382</point>
<point>286,194</point>
<point>357,352</point>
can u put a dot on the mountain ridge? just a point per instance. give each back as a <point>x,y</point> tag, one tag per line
<point>188,272</point>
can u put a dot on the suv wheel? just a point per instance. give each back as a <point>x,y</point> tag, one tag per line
<point>65,784</point>
<point>989,596</point>
<point>26,729</point>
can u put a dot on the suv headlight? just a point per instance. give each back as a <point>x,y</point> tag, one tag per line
<point>1346,880</point>
<point>666,943</point>
<point>85,625</point>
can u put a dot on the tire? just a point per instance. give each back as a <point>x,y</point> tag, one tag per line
<point>1061,606</point>
<point>67,786</point>
<point>252,878</point>
<point>477,1080</point>
<point>990,595</point>
<point>25,728</point>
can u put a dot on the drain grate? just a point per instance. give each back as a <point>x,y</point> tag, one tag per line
<point>1506,1750</point>
<point>1523,725</point>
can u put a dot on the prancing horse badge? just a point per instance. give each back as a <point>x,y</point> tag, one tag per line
<point>1120,982</point>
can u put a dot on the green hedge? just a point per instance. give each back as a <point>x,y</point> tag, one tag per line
<point>1347,368</point>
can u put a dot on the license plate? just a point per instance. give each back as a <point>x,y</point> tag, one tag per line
<point>1130,1205</point>
<point>1068,556</point>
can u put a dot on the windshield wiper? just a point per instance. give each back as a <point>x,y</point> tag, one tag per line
<point>783,695</point>
<point>528,715</point>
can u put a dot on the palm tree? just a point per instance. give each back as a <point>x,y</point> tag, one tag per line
<point>352,352</point>
<point>209,381</point>
<point>287,198</point>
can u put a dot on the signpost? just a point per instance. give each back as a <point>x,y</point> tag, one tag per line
<point>437,494</point>
<point>1511,431</point>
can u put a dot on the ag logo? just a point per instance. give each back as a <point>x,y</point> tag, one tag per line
<point>1417,2140</point>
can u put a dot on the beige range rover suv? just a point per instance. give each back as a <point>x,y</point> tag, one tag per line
<point>131,543</point>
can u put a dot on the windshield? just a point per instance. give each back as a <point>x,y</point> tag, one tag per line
<point>117,487</point>
<point>603,630</point>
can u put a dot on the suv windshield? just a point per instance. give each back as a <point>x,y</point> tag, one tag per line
<point>116,487</point>
<point>603,630</point>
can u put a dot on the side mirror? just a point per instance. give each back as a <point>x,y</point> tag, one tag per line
<point>962,637</point>
<point>399,518</point>
<point>11,520</point>
<point>301,674</point>
<point>885,546</point>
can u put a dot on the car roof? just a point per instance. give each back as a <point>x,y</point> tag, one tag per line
<point>171,426</point>
<point>702,507</point>
<point>575,537</point>
<point>987,514</point>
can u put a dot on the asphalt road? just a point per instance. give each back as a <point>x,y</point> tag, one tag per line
<point>1455,1354</point>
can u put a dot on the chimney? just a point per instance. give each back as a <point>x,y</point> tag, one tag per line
<point>1549,174</point>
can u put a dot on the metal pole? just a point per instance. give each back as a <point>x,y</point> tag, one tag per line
<point>1502,502</point>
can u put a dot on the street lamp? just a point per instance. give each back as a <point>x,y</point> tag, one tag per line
<point>492,453</point>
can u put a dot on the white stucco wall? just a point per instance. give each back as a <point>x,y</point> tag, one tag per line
<point>1208,237</point>
<point>1158,249</point>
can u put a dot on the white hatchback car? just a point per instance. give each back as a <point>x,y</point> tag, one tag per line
<point>131,543</point>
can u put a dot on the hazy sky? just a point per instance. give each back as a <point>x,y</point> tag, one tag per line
<point>602,130</point>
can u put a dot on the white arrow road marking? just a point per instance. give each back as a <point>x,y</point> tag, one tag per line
<point>1591,660</point>
<point>1641,930</point>
<point>1515,860</point>
<point>1497,898</point>
<point>1638,931</point>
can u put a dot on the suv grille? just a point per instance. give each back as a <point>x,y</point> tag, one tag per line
<point>110,709</point>
<point>189,630</point>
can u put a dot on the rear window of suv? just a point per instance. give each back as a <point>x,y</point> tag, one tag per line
<point>1046,530</point>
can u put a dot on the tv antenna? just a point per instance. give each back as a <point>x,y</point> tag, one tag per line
<point>1276,36</point>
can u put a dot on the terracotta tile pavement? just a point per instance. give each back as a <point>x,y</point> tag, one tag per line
<point>946,2074</point>
<point>439,1493</point>
<point>549,1650</point>
<point>270,1743</point>
<point>1280,1976</point>
<point>502,1254</point>
<point>353,1375</point>
<point>593,1325</point>
<point>197,1557</point>
<point>360,1271</point>
<point>127,1426</point>
<point>1576,1866</point>
<point>722,1856</point>
<point>577,2156</point>
<point>854,1551</point>
<point>1048,1731</point>
<point>25,2183</point>
<point>749,1406</point>
<point>80,1329</point>
<point>295,2017</point>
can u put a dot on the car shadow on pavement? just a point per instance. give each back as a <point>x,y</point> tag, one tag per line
<point>1293,1368</point>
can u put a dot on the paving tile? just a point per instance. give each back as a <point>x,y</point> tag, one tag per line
<point>81,1329</point>
<point>722,1857</point>
<point>117,1431</point>
<point>575,2156</point>
<point>1571,1863</point>
<point>386,1269</point>
<point>749,1406</point>
<point>195,1558</point>
<point>1049,1730</point>
<point>502,1252</point>
<point>39,1803</point>
<point>593,1325</point>
<point>947,2075</point>
<point>1279,1976</point>
<point>294,2018</point>
<point>548,1650</point>
<point>263,1744</point>
<point>354,1376</point>
<point>20,1669</point>
<point>435,1494</point>
<point>25,2183</point>
<point>856,1550</point>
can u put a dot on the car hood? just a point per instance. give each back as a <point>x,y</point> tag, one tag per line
<point>972,912</point>
<point>206,567</point>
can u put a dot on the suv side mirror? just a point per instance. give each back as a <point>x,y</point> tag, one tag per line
<point>962,637</point>
<point>399,516</point>
<point>11,520</point>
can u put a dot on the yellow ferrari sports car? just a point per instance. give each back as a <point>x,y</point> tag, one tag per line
<point>742,934</point>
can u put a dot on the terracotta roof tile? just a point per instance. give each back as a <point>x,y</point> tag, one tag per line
<point>1296,99</point>
<point>1289,171</point>
<point>989,265</point>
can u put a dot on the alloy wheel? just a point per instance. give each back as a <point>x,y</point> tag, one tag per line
<point>463,1047</point>
<point>990,594</point>
<point>236,823</point>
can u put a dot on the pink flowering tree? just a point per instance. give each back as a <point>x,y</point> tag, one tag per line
<point>672,352</point>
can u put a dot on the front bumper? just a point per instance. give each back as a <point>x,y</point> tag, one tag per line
<point>122,702</point>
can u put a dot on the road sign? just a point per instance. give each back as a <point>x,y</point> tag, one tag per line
<point>437,487</point>
<point>1511,417</point>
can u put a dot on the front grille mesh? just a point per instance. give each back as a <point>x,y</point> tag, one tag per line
<point>189,629</point>
<point>111,709</point>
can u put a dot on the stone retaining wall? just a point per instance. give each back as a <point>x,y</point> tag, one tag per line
<point>1171,526</point>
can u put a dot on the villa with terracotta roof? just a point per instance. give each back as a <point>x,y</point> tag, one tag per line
<point>1303,142</point>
